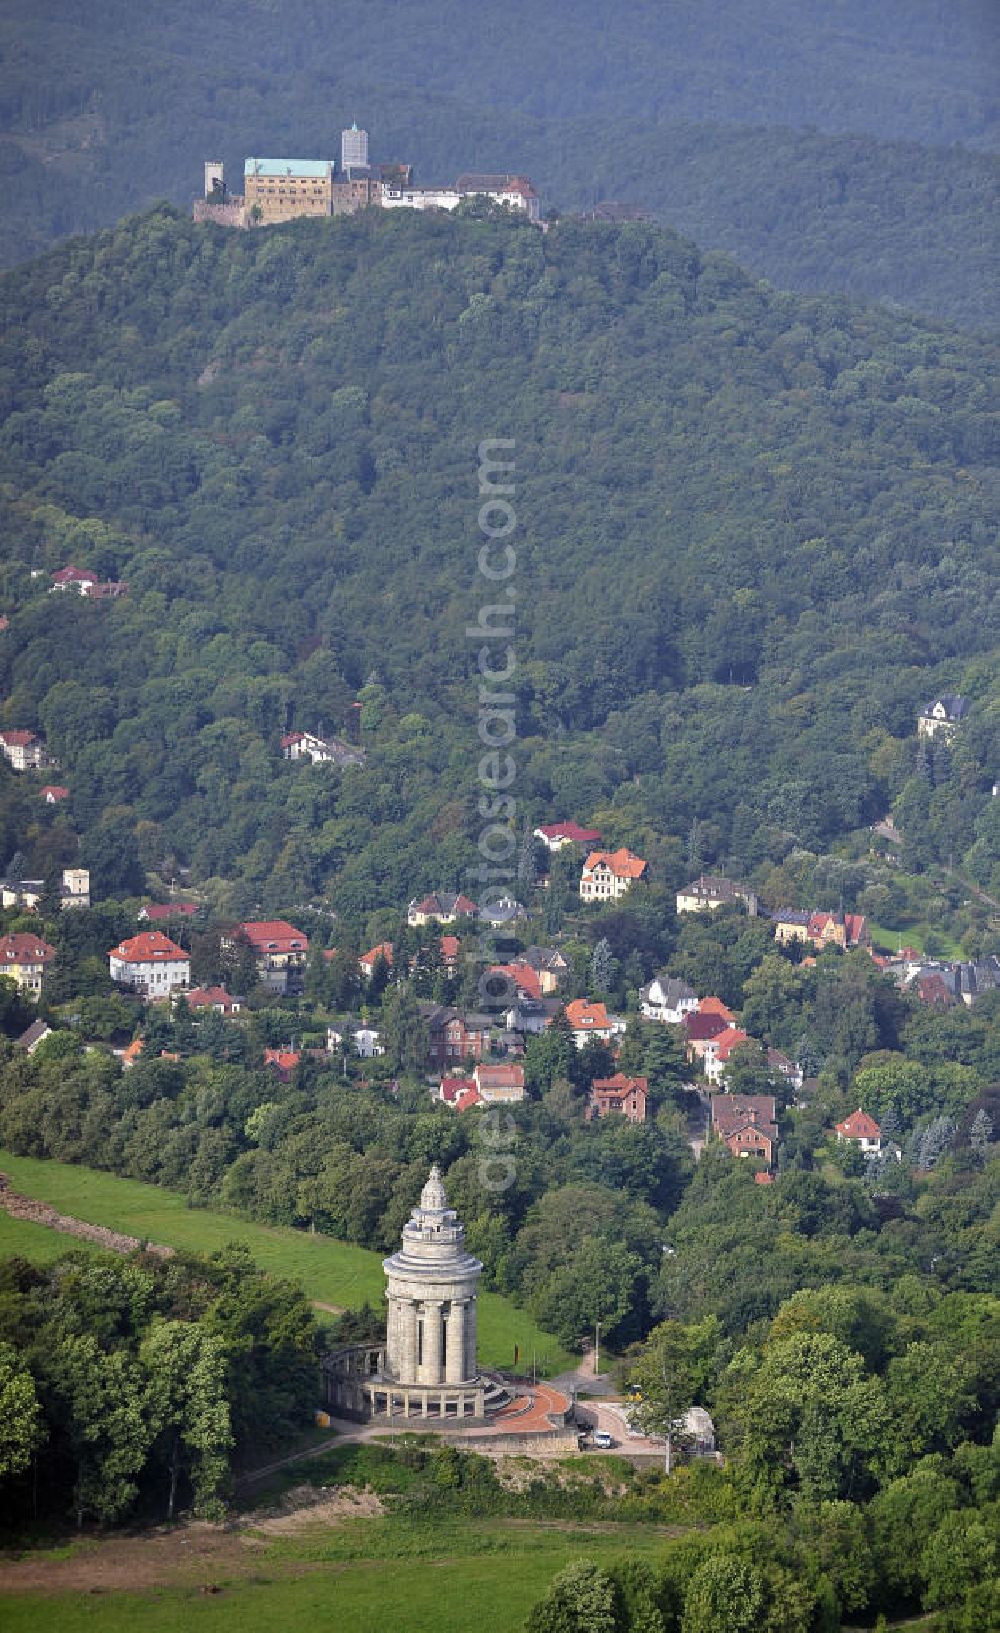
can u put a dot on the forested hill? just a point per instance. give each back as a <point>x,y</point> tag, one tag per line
<point>840,146</point>
<point>755,533</point>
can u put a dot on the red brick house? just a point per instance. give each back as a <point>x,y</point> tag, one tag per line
<point>619,1096</point>
<point>747,1124</point>
<point>454,1036</point>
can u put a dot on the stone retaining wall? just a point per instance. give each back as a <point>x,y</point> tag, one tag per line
<point>556,1444</point>
<point>40,1213</point>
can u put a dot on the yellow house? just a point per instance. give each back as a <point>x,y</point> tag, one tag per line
<point>25,958</point>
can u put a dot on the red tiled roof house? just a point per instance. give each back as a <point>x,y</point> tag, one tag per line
<point>150,963</point>
<point>609,874</point>
<point>862,1131</point>
<point>619,1096</point>
<point>280,951</point>
<point>25,958</point>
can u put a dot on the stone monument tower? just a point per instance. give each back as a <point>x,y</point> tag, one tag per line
<point>427,1366</point>
<point>431,1294</point>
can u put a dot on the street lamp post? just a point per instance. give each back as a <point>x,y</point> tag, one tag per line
<point>597,1348</point>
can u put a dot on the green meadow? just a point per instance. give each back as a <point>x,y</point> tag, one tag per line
<point>331,1272</point>
<point>447,1578</point>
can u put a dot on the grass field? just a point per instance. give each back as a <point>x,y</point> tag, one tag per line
<point>450,1578</point>
<point>912,935</point>
<point>455,1576</point>
<point>331,1272</point>
<point>36,1243</point>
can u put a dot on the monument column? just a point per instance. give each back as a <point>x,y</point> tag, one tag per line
<point>432,1342</point>
<point>470,1338</point>
<point>407,1369</point>
<point>454,1362</point>
<point>392,1337</point>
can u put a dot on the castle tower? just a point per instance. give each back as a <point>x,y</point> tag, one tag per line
<point>353,150</point>
<point>431,1293</point>
<point>214,177</point>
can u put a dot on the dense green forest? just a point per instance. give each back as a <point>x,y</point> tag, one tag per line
<point>755,535</point>
<point>818,144</point>
<point>767,524</point>
<point>135,1386</point>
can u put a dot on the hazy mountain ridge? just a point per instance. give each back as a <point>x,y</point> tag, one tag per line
<point>103,118</point>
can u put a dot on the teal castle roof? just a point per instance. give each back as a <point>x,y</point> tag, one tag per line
<point>319,169</point>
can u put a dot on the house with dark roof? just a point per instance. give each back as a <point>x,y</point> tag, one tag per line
<point>74,890</point>
<point>37,1032</point>
<point>440,907</point>
<point>667,998</point>
<point>942,717</point>
<point>24,750</point>
<point>548,963</point>
<point>305,745</point>
<point>791,924</point>
<point>747,1124</point>
<point>711,891</point>
<point>455,1036</point>
<point>977,977</point>
<point>83,582</point>
<point>500,908</point>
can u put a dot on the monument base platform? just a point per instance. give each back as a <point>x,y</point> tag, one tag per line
<point>355,1386</point>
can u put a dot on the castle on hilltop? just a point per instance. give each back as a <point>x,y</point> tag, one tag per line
<point>276,190</point>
